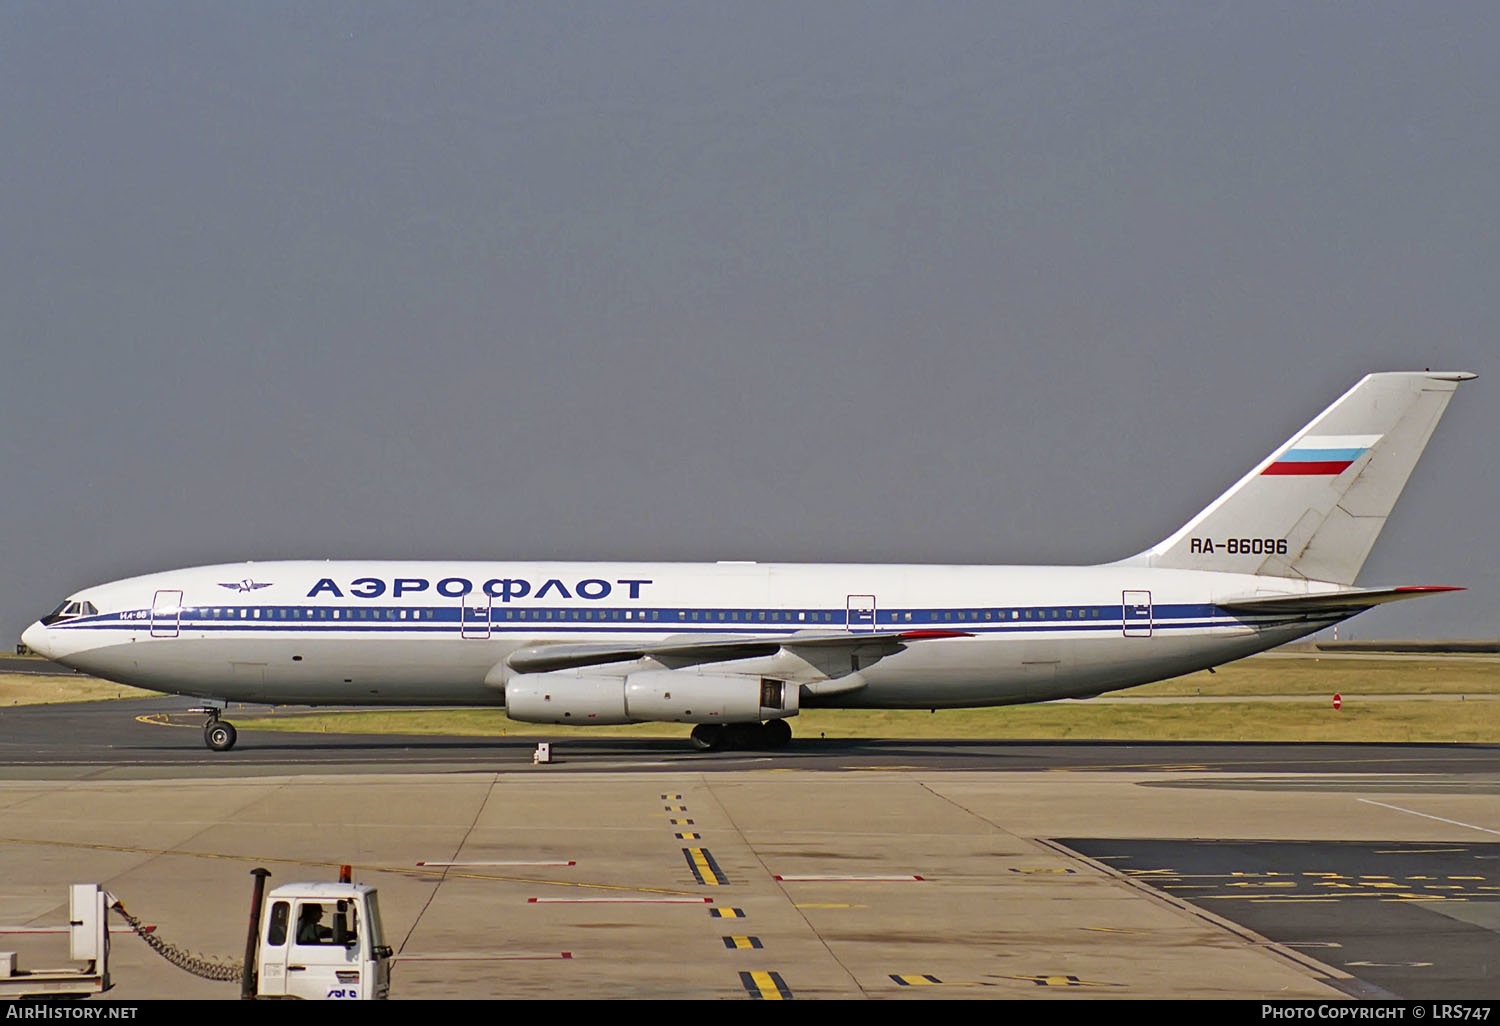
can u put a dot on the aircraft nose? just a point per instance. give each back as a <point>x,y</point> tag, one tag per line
<point>35,638</point>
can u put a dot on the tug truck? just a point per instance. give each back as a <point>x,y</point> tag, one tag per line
<point>322,941</point>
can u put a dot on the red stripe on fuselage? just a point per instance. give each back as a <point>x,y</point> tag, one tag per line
<point>1334,468</point>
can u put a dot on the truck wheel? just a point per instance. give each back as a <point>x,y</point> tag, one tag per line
<point>219,735</point>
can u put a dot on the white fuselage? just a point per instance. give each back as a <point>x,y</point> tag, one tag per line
<point>434,633</point>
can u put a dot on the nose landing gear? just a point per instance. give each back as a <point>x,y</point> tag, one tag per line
<point>219,735</point>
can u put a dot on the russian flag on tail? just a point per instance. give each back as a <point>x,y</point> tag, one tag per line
<point>1327,455</point>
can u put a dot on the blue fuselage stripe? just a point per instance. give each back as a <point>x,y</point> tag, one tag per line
<point>442,621</point>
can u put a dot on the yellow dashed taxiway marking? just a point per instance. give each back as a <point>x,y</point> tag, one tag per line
<point>766,986</point>
<point>704,868</point>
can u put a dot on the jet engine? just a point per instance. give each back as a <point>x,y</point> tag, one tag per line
<point>677,696</point>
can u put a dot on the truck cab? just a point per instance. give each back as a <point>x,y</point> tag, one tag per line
<point>321,941</point>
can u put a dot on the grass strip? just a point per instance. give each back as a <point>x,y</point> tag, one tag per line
<point>42,689</point>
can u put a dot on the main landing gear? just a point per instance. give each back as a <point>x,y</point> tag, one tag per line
<point>707,737</point>
<point>218,734</point>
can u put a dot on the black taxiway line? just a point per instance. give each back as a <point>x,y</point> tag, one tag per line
<point>148,733</point>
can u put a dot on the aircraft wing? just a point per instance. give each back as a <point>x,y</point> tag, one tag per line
<point>717,648</point>
<point>1350,601</point>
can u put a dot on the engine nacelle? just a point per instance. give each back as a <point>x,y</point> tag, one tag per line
<point>680,696</point>
<point>566,697</point>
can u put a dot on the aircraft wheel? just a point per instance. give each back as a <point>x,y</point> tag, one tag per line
<point>707,736</point>
<point>219,735</point>
<point>744,736</point>
<point>778,733</point>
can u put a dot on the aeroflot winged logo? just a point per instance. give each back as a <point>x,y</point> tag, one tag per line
<point>1323,455</point>
<point>243,586</point>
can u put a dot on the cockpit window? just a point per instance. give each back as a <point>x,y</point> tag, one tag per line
<point>68,610</point>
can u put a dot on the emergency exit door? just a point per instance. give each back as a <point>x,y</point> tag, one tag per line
<point>474,616</point>
<point>1135,609</point>
<point>861,614</point>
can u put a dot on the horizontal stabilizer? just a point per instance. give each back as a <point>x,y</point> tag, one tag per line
<point>1343,602</point>
<point>717,648</point>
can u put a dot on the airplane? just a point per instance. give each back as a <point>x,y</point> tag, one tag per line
<point>738,648</point>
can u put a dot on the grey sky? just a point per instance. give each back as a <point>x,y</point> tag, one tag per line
<point>883,282</point>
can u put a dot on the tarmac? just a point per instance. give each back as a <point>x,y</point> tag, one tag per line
<point>892,882</point>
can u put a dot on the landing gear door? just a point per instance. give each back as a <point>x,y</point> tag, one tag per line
<point>861,614</point>
<point>474,616</point>
<point>1135,608</point>
<point>166,614</point>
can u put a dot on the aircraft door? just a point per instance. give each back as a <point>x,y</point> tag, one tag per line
<point>474,616</point>
<point>166,614</point>
<point>861,610</point>
<point>1135,610</point>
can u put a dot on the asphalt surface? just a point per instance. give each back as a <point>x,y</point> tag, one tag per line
<point>1293,870</point>
<point>1414,921</point>
<point>153,733</point>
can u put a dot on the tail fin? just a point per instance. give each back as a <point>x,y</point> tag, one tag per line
<point>1313,508</point>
